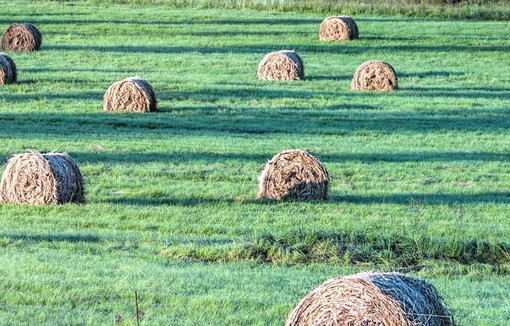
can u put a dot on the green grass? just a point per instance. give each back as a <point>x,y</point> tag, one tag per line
<point>420,177</point>
<point>473,9</point>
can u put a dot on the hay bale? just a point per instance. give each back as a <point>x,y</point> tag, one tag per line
<point>8,74</point>
<point>281,65</point>
<point>132,94</point>
<point>21,37</point>
<point>42,179</point>
<point>294,174</point>
<point>372,299</point>
<point>338,28</point>
<point>375,75</point>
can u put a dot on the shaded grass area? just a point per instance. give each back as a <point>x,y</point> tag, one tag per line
<point>419,177</point>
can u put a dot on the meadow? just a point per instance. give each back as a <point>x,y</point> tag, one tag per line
<point>420,176</point>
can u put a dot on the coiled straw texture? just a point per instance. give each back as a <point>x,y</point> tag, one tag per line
<point>8,73</point>
<point>294,174</point>
<point>132,94</point>
<point>338,28</point>
<point>21,37</point>
<point>281,65</point>
<point>42,179</point>
<point>375,75</point>
<point>372,299</point>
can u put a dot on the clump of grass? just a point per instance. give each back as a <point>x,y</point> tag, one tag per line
<point>348,248</point>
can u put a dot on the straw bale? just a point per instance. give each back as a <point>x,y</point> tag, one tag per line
<point>375,75</point>
<point>132,94</point>
<point>372,299</point>
<point>294,174</point>
<point>8,73</point>
<point>42,179</point>
<point>338,28</point>
<point>281,65</point>
<point>21,37</point>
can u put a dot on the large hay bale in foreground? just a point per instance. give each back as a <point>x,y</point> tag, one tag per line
<point>294,174</point>
<point>21,37</point>
<point>281,65</point>
<point>8,73</point>
<point>42,179</point>
<point>372,299</point>
<point>338,28</point>
<point>375,75</point>
<point>132,94</point>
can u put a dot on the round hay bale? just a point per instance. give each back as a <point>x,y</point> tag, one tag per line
<point>132,94</point>
<point>21,37</point>
<point>8,74</point>
<point>42,179</point>
<point>375,75</point>
<point>372,299</point>
<point>338,28</point>
<point>294,174</point>
<point>281,65</point>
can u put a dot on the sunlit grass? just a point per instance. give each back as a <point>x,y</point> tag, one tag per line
<point>419,176</point>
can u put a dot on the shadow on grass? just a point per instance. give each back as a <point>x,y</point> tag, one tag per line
<point>429,199</point>
<point>191,21</point>
<point>400,199</point>
<point>45,70</point>
<point>260,91</point>
<point>220,119</point>
<point>261,158</point>
<point>53,237</point>
<point>60,80</point>
<point>264,48</point>
<point>427,74</point>
<point>332,77</point>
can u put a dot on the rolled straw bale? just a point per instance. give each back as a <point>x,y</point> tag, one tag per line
<point>21,37</point>
<point>375,75</point>
<point>132,94</point>
<point>281,65</point>
<point>294,174</point>
<point>8,74</point>
<point>42,179</point>
<point>338,28</point>
<point>372,299</point>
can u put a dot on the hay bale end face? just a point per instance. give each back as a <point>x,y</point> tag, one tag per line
<point>132,94</point>
<point>338,28</point>
<point>21,37</point>
<point>281,65</point>
<point>375,75</point>
<point>294,174</point>
<point>372,299</point>
<point>8,73</point>
<point>42,179</point>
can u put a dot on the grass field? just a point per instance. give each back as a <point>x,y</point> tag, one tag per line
<point>420,177</point>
